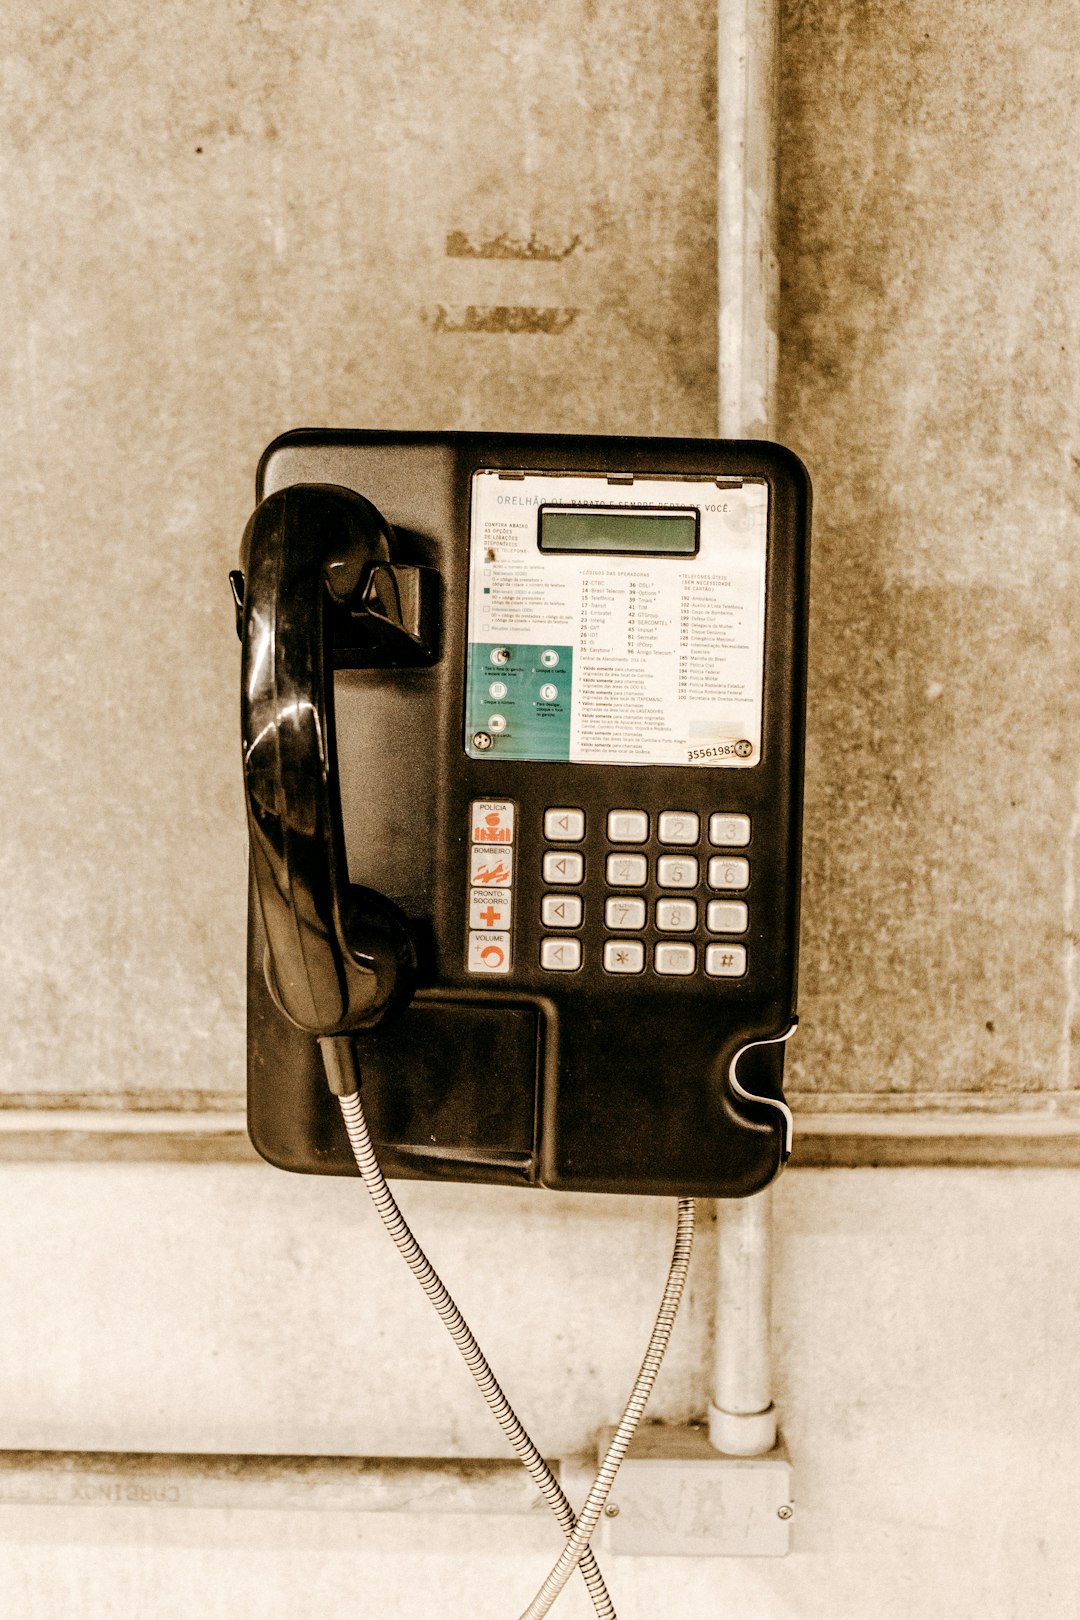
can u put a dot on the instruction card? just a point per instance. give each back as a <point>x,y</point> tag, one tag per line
<point>616,621</point>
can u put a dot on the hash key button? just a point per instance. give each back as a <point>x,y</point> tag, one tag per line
<point>725,961</point>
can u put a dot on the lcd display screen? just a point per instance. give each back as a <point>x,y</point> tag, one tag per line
<point>620,531</point>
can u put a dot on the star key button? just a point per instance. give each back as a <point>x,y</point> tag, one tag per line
<point>624,956</point>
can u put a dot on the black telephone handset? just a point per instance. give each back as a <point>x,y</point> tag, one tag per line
<point>317,565</point>
<point>549,902</point>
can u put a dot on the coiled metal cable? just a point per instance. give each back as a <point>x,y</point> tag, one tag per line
<point>576,1553</point>
<point>632,1415</point>
<point>474,1358</point>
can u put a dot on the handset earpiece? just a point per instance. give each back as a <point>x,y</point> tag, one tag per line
<point>338,957</point>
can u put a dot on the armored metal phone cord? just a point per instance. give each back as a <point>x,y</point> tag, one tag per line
<point>342,1073</point>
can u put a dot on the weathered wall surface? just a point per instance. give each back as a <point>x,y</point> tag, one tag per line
<point>931,249</point>
<point>225,219</point>
<point>231,219</point>
<point>228,219</point>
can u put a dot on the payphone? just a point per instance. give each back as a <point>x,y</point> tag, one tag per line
<point>523,731</point>
<point>522,727</point>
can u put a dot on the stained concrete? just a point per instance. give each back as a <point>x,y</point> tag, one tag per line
<point>927,1324</point>
<point>930,249</point>
<point>228,219</point>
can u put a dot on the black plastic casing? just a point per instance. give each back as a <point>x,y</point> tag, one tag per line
<point>583,1081</point>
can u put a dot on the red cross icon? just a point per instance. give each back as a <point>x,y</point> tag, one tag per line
<point>490,917</point>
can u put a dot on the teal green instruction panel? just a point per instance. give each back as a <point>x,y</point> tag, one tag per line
<point>616,620</point>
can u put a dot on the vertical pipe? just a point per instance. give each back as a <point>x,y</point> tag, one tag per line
<point>748,53</point>
<point>742,1419</point>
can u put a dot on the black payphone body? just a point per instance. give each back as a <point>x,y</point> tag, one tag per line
<point>565,691</point>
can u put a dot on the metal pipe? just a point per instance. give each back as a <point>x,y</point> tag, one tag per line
<point>344,1484</point>
<point>748,58</point>
<point>742,1418</point>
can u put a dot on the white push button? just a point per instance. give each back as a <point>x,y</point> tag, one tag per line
<point>624,956</point>
<point>677,871</point>
<point>728,872</point>
<point>676,916</point>
<point>560,910</point>
<point>564,826</point>
<point>489,908</point>
<point>491,866</point>
<point>726,917</point>
<point>624,911</point>
<point>560,955</point>
<point>627,871</point>
<point>679,827</point>
<point>729,832</point>
<point>725,961</point>
<point>489,952</point>
<point>671,958</point>
<point>627,826</point>
<point>563,866</point>
<point>492,821</point>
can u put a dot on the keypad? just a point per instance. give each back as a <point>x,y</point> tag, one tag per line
<point>678,865</point>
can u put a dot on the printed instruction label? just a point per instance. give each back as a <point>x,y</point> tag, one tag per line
<point>601,657</point>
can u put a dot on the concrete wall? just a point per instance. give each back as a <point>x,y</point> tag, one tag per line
<point>231,218</point>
